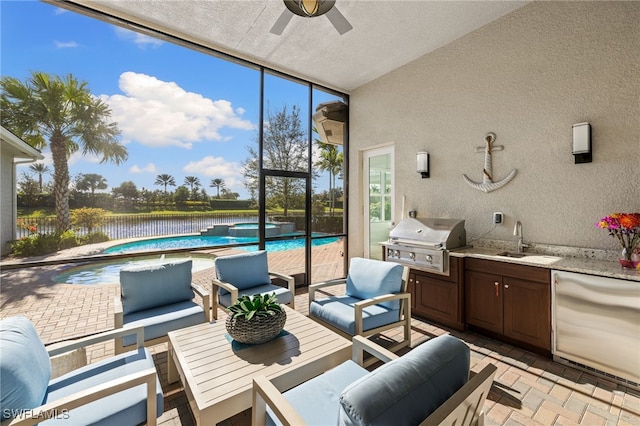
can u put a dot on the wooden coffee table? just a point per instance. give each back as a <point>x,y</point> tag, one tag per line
<point>217,372</point>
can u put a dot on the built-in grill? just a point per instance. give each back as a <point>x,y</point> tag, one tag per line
<point>425,243</point>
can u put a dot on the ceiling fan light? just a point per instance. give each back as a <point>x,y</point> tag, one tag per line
<point>310,7</point>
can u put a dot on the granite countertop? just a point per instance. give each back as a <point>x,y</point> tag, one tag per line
<point>586,261</point>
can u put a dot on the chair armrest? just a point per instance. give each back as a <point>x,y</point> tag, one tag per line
<point>362,344</point>
<point>215,283</point>
<point>314,287</point>
<point>206,303</point>
<point>291,285</point>
<point>466,403</point>
<point>118,316</point>
<point>265,393</point>
<point>291,282</point>
<point>62,347</point>
<point>403,297</point>
<point>95,393</point>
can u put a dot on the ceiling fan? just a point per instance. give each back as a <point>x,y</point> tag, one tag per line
<point>311,9</point>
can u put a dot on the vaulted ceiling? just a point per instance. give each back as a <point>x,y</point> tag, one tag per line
<point>385,35</point>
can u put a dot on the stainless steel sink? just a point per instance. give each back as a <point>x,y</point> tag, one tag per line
<point>511,254</point>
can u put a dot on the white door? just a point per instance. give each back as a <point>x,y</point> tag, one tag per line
<point>378,199</point>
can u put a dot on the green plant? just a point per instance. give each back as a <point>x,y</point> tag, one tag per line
<point>94,237</point>
<point>88,217</point>
<point>257,305</point>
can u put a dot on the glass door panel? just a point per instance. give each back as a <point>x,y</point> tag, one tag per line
<point>286,224</point>
<point>378,199</point>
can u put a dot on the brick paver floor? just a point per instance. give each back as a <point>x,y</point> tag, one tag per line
<point>528,389</point>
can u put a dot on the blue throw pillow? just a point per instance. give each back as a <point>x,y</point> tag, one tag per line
<point>369,278</point>
<point>25,368</point>
<point>147,287</point>
<point>244,270</point>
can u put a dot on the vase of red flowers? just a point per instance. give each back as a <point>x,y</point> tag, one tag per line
<point>626,228</point>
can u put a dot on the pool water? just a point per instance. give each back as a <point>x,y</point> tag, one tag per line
<point>109,272</point>
<point>197,241</point>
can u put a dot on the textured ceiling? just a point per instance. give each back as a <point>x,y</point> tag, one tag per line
<point>385,34</point>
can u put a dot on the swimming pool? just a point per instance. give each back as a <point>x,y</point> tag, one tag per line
<point>197,241</point>
<point>109,272</point>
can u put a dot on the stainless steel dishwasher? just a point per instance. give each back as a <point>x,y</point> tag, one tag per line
<point>596,324</point>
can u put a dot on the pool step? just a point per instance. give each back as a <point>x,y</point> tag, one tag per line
<point>215,231</point>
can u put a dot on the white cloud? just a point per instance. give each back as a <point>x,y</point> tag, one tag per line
<point>159,113</point>
<point>138,39</point>
<point>149,168</point>
<point>217,168</point>
<point>65,44</point>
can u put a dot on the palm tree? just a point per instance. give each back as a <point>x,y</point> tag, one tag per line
<point>218,184</point>
<point>40,169</point>
<point>64,112</point>
<point>165,179</point>
<point>331,160</point>
<point>192,182</point>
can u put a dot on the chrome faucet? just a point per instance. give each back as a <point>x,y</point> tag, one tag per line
<point>517,231</point>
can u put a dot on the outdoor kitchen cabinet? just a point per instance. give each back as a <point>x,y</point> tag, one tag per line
<point>510,302</point>
<point>438,298</point>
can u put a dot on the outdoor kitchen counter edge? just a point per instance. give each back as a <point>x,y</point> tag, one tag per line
<point>573,264</point>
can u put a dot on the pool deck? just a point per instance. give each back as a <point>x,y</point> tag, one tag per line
<point>528,389</point>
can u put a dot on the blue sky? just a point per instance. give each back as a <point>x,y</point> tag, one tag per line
<point>181,112</point>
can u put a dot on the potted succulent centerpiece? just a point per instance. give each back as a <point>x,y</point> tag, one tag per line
<point>255,319</point>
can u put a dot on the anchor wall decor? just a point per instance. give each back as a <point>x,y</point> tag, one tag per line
<point>488,184</point>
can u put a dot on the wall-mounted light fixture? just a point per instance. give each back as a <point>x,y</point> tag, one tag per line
<point>423,164</point>
<point>582,143</point>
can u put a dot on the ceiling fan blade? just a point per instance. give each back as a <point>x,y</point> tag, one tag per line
<point>338,20</point>
<point>282,22</point>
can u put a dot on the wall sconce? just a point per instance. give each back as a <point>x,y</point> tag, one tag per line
<point>423,164</point>
<point>582,143</point>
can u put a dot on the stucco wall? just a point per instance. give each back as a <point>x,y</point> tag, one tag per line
<point>528,77</point>
<point>7,207</point>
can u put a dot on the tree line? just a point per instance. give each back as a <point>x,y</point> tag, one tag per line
<point>62,113</point>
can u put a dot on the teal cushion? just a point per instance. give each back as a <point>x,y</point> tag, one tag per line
<point>283,295</point>
<point>339,312</point>
<point>317,399</point>
<point>157,322</point>
<point>153,286</point>
<point>244,270</point>
<point>25,368</point>
<point>128,407</point>
<point>408,389</point>
<point>369,278</point>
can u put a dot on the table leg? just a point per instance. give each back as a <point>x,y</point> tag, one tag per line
<point>172,371</point>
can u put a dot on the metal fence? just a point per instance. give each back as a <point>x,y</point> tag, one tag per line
<point>139,225</point>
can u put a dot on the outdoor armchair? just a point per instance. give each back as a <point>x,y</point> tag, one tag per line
<point>123,389</point>
<point>248,274</point>
<point>375,299</point>
<point>158,298</point>
<point>429,386</point>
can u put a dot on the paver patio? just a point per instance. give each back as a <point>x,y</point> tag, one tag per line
<point>528,389</point>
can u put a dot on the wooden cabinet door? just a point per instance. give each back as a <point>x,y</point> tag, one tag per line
<point>437,299</point>
<point>527,311</point>
<point>483,299</point>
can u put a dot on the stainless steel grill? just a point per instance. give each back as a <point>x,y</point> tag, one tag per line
<point>425,243</point>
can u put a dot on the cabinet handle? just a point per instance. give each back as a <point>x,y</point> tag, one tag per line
<point>497,286</point>
<point>506,286</point>
<point>411,280</point>
<point>417,282</point>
